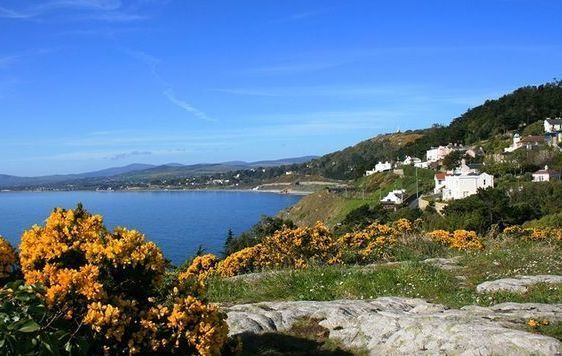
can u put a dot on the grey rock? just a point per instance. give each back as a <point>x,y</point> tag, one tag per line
<point>400,326</point>
<point>517,284</point>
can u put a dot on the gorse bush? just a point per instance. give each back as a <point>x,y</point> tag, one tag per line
<point>107,285</point>
<point>548,233</point>
<point>458,239</point>
<point>307,246</point>
<point>8,259</point>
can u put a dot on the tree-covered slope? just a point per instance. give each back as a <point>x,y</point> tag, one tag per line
<point>510,112</point>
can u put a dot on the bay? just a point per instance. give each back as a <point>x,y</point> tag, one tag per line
<point>178,222</point>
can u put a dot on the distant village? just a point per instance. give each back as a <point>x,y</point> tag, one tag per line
<point>466,179</point>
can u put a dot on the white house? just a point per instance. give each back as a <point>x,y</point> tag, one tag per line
<point>436,154</point>
<point>439,179</point>
<point>553,125</point>
<point>463,185</point>
<point>383,167</point>
<point>395,197</point>
<point>463,169</point>
<point>545,175</point>
<point>379,167</point>
<point>421,164</point>
<point>515,144</point>
<point>411,160</point>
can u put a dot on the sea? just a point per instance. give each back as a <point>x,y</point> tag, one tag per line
<point>178,222</point>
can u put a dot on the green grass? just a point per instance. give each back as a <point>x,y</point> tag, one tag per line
<point>338,282</point>
<point>554,330</point>
<point>510,258</point>
<point>408,279</point>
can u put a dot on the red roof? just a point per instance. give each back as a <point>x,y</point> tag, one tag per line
<point>531,139</point>
<point>440,175</point>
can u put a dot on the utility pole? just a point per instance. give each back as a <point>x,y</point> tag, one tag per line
<point>417,187</point>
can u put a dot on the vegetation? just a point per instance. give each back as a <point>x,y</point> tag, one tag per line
<point>488,121</point>
<point>82,293</point>
<point>504,257</point>
<point>265,227</point>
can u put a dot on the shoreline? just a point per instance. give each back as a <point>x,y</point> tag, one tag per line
<point>271,191</point>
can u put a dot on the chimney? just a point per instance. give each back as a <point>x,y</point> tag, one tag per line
<point>546,167</point>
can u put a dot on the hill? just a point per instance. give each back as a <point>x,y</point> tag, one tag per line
<point>510,112</point>
<point>140,173</point>
<point>8,181</point>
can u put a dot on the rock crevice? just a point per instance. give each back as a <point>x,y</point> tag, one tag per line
<point>393,325</point>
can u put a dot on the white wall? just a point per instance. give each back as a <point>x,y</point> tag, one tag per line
<point>462,186</point>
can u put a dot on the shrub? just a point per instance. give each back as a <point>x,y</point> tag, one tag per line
<point>458,239</point>
<point>298,247</point>
<point>28,327</point>
<point>267,226</point>
<point>8,259</point>
<point>109,281</point>
<point>368,244</point>
<point>546,233</point>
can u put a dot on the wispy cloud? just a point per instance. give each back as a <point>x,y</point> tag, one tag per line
<point>299,16</point>
<point>290,67</point>
<point>315,61</point>
<point>10,59</point>
<point>124,155</point>
<point>97,10</point>
<point>169,93</point>
<point>327,91</point>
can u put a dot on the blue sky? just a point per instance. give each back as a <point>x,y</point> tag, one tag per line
<point>89,84</point>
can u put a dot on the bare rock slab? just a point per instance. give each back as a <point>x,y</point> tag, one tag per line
<point>517,284</point>
<point>405,326</point>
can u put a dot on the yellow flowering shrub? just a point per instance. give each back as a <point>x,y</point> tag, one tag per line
<point>458,239</point>
<point>441,236</point>
<point>240,262</point>
<point>200,267</point>
<point>298,247</point>
<point>369,243</point>
<point>8,258</point>
<point>547,233</point>
<point>465,240</point>
<point>109,281</point>
<point>403,226</point>
<point>192,280</point>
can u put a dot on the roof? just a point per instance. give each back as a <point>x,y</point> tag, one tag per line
<point>440,175</point>
<point>550,172</point>
<point>533,139</point>
<point>557,121</point>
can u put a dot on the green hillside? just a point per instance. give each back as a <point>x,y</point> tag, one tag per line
<point>488,121</point>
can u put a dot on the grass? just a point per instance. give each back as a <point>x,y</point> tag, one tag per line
<point>408,279</point>
<point>510,258</point>
<point>554,330</point>
<point>338,282</point>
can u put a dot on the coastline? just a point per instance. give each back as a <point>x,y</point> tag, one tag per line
<point>271,191</point>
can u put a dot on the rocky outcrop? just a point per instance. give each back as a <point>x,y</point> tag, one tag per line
<point>517,284</point>
<point>393,325</point>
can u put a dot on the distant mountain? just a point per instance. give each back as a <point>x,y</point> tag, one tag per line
<point>109,172</point>
<point>283,162</point>
<point>179,171</point>
<point>141,172</point>
<point>7,181</point>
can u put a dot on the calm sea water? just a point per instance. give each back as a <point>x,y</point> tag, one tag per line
<point>177,221</point>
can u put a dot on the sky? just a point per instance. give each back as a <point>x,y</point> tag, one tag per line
<point>91,84</point>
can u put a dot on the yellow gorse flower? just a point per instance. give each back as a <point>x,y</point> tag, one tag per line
<point>109,280</point>
<point>8,258</point>
<point>458,239</point>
